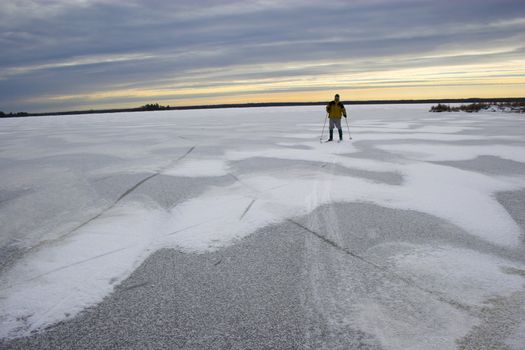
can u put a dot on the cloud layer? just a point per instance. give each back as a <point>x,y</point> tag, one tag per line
<point>83,54</point>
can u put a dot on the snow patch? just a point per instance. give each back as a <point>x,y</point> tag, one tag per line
<point>436,153</point>
<point>68,276</point>
<point>198,168</point>
<point>461,274</point>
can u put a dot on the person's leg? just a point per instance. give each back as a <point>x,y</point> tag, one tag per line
<point>338,125</point>
<point>331,127</point>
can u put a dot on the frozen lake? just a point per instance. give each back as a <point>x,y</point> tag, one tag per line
<point>237,227</point>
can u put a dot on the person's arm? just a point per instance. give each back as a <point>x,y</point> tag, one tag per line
<point>343,109</point>
<point>328,108</point>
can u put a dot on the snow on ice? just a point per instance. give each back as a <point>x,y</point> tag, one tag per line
<point>84,198</point>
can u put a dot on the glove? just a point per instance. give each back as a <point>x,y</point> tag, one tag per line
<point>344,116</point>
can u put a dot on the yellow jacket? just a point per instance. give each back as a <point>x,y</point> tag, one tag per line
<point>335,110</point>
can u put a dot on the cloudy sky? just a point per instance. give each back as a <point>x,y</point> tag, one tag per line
<point>82,54</point>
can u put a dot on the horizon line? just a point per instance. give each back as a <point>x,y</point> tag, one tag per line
<point>143,108</point>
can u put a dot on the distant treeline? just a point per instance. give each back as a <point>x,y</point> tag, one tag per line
<point>18,114</point>
<point>154,107</point>
<point>515,107</point>
<point>158,107</point>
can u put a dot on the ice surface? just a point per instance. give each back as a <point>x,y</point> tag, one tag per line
<point>82,197</point>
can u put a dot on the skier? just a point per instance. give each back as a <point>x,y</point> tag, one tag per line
<point>335,110</point>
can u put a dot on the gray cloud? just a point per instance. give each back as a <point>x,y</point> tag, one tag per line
<point>52,48</point>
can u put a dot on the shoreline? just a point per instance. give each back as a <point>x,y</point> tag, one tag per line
<point>261,104</point>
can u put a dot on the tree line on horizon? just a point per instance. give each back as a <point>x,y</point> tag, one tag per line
<point>513,104</point>
<point>516,107</point>
<point>11,114</point>
<point>146,107</point>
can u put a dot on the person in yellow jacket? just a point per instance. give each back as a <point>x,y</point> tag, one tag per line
<point>335,110</point>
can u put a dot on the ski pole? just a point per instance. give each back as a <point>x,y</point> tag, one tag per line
<point>322,132</point>
<point>348,128</point>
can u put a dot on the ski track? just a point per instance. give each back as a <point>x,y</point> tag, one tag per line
<point>236,178</point>
<point>392,274</point>
<point>247,209</point>
<point>226,216</point>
